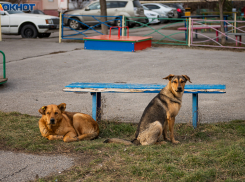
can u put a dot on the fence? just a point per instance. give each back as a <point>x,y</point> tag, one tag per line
<point>145,27</point>
<point>86,29</point>
<point>175,32</point>
<point>165,34</point>
<point>233,30</point>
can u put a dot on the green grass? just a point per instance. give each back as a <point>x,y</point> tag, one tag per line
<point>211,152</point>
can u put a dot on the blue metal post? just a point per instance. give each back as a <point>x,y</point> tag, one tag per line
<point>62,28</point>
<point>194,109</point>
<point>98,106</point>
<point>94,105</point>
<point>186,26</point>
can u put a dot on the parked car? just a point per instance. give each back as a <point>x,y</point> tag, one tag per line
<point>152,17</point>
<point>28,25</point>
<point>162,9</point>
<point>179,8</point>
<point>128,8</point>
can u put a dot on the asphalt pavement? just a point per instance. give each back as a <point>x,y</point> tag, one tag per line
<point>38,70</point>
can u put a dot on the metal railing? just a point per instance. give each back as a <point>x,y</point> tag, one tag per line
<point>178,31</point>
<point>88,29</point>
<point>209,39</point>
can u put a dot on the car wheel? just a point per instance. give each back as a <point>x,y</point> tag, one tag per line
<point>74,24</point>
<point>129,24</point>
<point>164,21</point>
<point>117,22</point>
<point>146,20</point>
<point>28,31</point>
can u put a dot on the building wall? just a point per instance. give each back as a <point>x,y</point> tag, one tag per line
<point>39,4</point>
<point>53,12</point>
<point>50,4</point>
<point>50,7</point>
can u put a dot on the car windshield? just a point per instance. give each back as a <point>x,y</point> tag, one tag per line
<point>145,8</point>
<point>15,12</point>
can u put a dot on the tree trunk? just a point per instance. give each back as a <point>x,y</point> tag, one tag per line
<point>103,11</point>
<point>221,8</point>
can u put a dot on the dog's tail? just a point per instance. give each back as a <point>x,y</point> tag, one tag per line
<point>117,140</point>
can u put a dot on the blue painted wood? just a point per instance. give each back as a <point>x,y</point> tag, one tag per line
<point>139,86</point>
<point>109,46</point>
<point>153,88</point>
<point>194,110</point>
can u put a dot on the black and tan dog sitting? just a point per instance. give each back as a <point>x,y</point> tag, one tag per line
<point>58,124</point>
<point>159,115</point>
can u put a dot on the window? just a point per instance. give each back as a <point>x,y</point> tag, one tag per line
<point>122,4</point>
<point>94,6</point>
<point>111,4</point>
<point>116,4</point>
<point>152,6</point>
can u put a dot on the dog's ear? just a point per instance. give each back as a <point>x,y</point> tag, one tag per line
<point>169,77</point>
<point>42,110</point>
<point>62,107</point>
<point>187,78</point>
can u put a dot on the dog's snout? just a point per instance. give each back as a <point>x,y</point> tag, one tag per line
<point>52,121</point>
<point>179,89</point>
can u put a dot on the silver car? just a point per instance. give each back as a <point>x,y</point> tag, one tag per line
<point>128,8</point>
<point>162,9</point>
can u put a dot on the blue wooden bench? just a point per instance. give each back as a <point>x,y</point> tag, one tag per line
<point>97,88</point>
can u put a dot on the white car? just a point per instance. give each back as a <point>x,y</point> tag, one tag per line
<point>83,18</point>
<point>153,17</point>
<point>28,25</point>
<point>162,9</point>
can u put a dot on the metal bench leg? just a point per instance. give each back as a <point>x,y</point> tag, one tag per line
<point>96,106</point>
<point>98,114</point>
<point>194,110</point>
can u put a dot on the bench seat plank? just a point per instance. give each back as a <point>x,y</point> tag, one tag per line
<point>138,88</point>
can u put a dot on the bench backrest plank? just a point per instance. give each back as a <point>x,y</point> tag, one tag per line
<point>138,88</point>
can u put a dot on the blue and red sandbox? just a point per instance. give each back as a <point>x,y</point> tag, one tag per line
<point>117,43</point>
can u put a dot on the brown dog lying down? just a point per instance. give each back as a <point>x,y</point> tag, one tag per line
<point>58,124</point>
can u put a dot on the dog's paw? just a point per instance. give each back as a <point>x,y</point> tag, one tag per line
<point>175,142</point>
<point>45,132</point>
<point>161,143</point>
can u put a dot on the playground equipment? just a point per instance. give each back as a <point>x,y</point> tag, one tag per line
<point>3,79</point>
<point>117,43</point>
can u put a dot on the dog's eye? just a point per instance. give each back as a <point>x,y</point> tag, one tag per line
<point>56,113</point>
<point>182,81</point>
<point>48,112</point>
<point>175,81</point>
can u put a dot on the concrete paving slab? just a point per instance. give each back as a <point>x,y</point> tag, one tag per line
<point>18,167</point>
<point>36,80</point>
